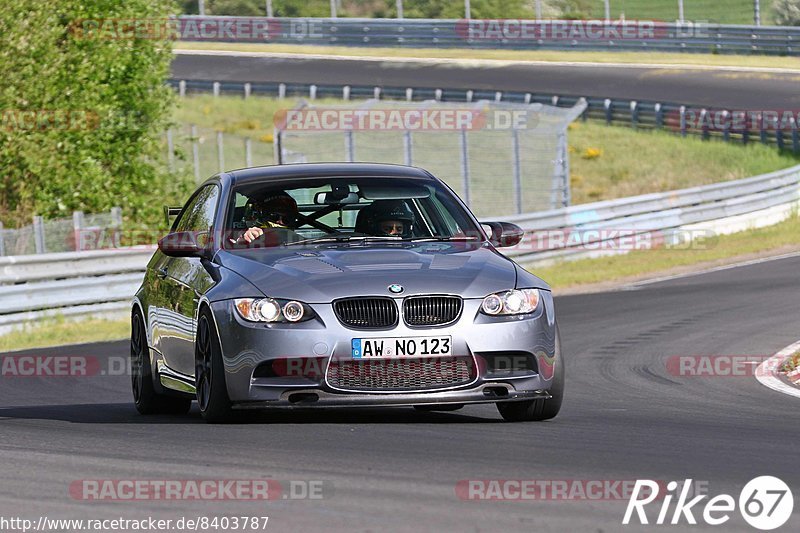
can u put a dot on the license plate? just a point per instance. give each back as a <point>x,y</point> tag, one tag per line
<point>383,347</point>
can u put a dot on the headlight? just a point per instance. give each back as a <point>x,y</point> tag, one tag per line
<point>513,302</point>
<point>272,310</point>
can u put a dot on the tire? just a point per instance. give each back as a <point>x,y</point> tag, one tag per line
<point>538,410</point>
<point>444,407</point>
<point>145,397</point>
<point>212,390</point>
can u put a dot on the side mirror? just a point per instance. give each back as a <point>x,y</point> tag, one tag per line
<point>184,244</point>
<point>504,234</point>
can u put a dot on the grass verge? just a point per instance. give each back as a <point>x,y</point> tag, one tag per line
<point>591,57</point>
<point>58,332</point>
<point>650,263</point>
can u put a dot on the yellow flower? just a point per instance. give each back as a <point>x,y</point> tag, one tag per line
<point>266,138</point>
<point>592,153</point>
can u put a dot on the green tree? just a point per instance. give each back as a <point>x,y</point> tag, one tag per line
<point>787,12</point>
<point>83,106</point>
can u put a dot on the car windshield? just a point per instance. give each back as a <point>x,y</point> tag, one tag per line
<point>342,209</point>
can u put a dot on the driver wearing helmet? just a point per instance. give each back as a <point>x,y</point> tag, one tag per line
<point>275,210</point>
<point>391,219</point>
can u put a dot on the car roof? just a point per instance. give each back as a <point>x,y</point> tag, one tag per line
<point>323,170</point>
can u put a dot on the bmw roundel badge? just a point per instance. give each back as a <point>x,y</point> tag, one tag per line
<point>395,288</point>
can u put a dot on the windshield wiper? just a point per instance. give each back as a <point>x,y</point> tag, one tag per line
<point>347,238</point>
<point>443,239</point>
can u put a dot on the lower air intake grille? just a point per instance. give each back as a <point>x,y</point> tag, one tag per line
<point>366,313</point>
<point>431,310</point>
<point>401,374</point>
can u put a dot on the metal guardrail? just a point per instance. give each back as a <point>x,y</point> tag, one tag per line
<point>682,119</point>
<point>636,35</point>
<point>102,282</point>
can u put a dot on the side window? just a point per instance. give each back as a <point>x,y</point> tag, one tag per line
<point>199,214</point>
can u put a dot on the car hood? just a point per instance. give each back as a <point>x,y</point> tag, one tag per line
<point>322,273</point>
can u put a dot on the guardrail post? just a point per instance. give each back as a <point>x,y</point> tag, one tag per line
<point>527,98</point>
<point>498,95</point>
<point>77,225</point>
<point>634,114</point>
<point>795,138</point>
<point>554,100</point>
<point>247,90</point>
<point>704,122</point>
<point>215,88</point>
<point>407,147</point>
<point>312,92</point>
<point>517,172</point>
<point>182,88</point>
<point>762,131</point>
<point>779,138</point>
<point>376,93</point>
<point>346,92</point>
<point>726,128</point>
<point>2,241</point>
<point>248,152</point>
<point>38,234</point>
<point>608,110</point>
<point>220,152</point>
<point>470,95</point>
<point>682,113</point>
<point>170,150</point>
<point>409,94</point>
<point>195,154</point>
<point>659,116</point>
<point>437,95</point>
<point>465,167</point>
<point>745,134</point>
<point>281,90</point>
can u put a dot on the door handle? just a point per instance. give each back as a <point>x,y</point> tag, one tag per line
<point>161,272</point>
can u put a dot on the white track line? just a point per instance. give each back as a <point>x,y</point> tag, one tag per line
<point>480,62</point>
<point>636,285</point>
<point>766,372</point>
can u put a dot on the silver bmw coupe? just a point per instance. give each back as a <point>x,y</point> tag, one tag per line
<point>341,284</point>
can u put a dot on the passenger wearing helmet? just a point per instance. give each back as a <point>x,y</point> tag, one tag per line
<point>273,211</point>
<point>391,219</point>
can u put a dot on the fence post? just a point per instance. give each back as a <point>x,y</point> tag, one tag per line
<point>248,88</point>
<point>346,92</point>
<point>465,167</point>
<point>407,154</point>
<point>312,92</point>
<point>634,114</point>
<point>77,225</point>
<point>437,95</point>
<point>182,88</point>
<point>281,90</point>
<point>195,154</point>
<point>38,234</point>
<point>116,217</point>
<point>248,152</point>
<point>704,122</point>
<point>762,131</point>
<point>609,110</point>
<point>517,170</point>
<point>795,137</point>
<point>215,88</point>
<point>277,148</point>
<point>349,146</point>
<point>409,94</point>
<point>220,152</point>
<point>376,93</point>
<point>170,150</point>
<point>498,95</point>
<point>779,138</point>
<point>470,94</point>
<point>2,241</point>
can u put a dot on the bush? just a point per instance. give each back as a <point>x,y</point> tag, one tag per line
<point>787,12</point>
<point>82,112</point>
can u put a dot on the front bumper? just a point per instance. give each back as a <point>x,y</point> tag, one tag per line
<point>248,346</point>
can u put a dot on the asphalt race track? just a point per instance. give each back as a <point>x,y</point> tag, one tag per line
<point>625,417</point>
<point>718,88</point>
